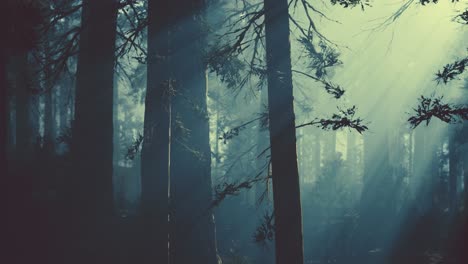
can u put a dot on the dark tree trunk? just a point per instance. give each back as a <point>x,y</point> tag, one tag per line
<point>65,103</point>
<point>192,231</point>
<point>155,152</point>
<point>115,121</point>
<point>92,145</point>
<point>24,126</point>
<point>4,113</point>
<point>286,193</point>
<point>49,136</point>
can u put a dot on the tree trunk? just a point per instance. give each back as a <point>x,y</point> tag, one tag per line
<point>155,152</point>
<point>4,113</point>
<point>454,161</point>
<point>92,146</point>
<point>65,103</point>
<point>465,181</point>
<point>115,121</point>
<point>317,157</point>
<point>24,131</point>
<point>261,161</point>
<point>49,136</point>
<point>351,155</point>
<point>330,145</point>
<point>193,230</point>
<point>421,175</point>
<point>286,192</point>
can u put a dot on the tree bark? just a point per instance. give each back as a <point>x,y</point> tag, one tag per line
<point>4,113</point>
<point>155,151</point>
<point>193,230</point>
<point>92,146</point>
<point>286,192</point>
<point>24,131</point>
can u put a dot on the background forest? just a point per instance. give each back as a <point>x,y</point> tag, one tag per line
<point>234,131</point>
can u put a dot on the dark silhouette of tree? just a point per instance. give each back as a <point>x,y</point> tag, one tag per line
<point>280,115</point>
<point>286,192</point>
<point>19,23</point>
<point>192,237</point>
<point>47,88</point>
<point>25,83</point>
<point>92,142</point>
<point>155,148</point>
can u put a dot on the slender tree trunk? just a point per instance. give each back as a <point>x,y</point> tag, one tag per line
<point>4,113</point>
<point>4,170</point>
<point>115,121</point>
<point>155,152</point>
<point>49,136</point>
<point>193,231</point>
<point>453,173</point>
<point>262,143</point>
<point>7,186</point>
<point>351,155</point>
<point>421,175</point>
<point>410,160</point>
<point>465,181</point>
<point>330,147</point>
<point>300,156</point>
<point>92,147</point>
<point>64,104</point>
<point>286,192</point>
<point>24,133</point>
<point>317,157</point>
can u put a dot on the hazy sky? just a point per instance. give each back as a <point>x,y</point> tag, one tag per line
<point>388,64</point>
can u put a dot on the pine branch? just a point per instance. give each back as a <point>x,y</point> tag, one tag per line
<point>452,71</point>
<point>342,119</point>
<point>430,107</point>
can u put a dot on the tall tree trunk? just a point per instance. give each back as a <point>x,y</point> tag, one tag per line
<point>286,192</point>
<point>155,152</point>
<point>262,161</point>
<point>330,145</point>
<point>410,160</point>
<point>454,161</point>
<point>92,146</point>
<point>420,171</point>
<point>316,153</point>
<point>24,131</point>
<point>4,112</point>
<point>65,103</point>
<point>115,121</point>
<point>193,231</point>
<point>49,120</point>
<point>465,181</point>
<point>351,155</point>
<point>4,125</point>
